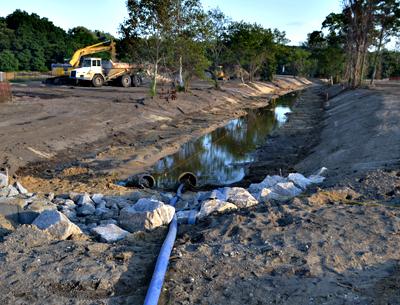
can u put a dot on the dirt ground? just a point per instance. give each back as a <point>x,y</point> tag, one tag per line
<point>335,244</point>
<point>81,138</point>
<point>338,244</point>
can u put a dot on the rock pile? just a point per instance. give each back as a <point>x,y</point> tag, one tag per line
<point>112,218</point>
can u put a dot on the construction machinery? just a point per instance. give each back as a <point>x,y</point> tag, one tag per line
<point>99,72</point>
<point>61,72</point>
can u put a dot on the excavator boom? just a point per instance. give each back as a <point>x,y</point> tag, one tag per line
<point>106,46</point>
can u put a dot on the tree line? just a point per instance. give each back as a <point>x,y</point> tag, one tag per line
<point>31,43</point>
<point>353,45</point>
<point>182,39</point>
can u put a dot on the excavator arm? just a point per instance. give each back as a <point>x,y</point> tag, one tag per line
<point>106,46</point>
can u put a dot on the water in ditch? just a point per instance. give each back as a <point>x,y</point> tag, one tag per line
<point>220,157</point>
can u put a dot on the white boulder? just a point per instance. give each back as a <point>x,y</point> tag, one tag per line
<point>280,191</point>
<point>240,197</point>
<point>109,233</point>
<point>56,224</point>
<point>3,180</point>
<point>269,181</point>
<point>215,205</point>
<point>146,214</point>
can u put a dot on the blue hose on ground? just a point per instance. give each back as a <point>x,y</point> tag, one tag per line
<point>154,291</point>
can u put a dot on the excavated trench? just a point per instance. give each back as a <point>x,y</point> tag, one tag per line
<point>223,156</point>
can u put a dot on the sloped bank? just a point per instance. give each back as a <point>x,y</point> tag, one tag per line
<point>337,245</point>
<point>154,130</point>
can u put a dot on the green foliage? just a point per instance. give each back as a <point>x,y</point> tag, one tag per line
<point>36,42</point>
<point>8,62</point>
<point>249,45</point>
<point>327,51</point>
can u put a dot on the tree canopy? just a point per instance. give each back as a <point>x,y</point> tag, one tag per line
<point>29,42</point>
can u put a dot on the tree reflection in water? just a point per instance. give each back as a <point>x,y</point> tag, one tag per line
<point>220,156</point>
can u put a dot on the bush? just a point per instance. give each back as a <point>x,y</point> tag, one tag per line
<point>8,62</point>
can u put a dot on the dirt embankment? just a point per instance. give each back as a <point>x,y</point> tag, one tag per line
<point>334,245</point>
<point>75,138</point>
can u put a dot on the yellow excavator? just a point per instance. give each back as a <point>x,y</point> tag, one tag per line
<point>61,72</point>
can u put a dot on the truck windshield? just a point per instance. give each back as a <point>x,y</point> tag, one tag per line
<point>86,63</point>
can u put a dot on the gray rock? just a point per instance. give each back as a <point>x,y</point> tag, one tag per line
<point>74,196</point>
<point>20,188</point>
<point>117,200</point>
<point>69,204</point>
<point>50,196</point>
<point>97,198</point>
<point>215,205</point>
<point>108,221</point>
<point>12,207</point>
<point>240,197</point>
<point>71,214</point>
<point>146,214</point>
<point>101,205</point>
<point>280,191</point>
<point>268,182</point>
<point>91,225</point>
<point>85,199</point>
<point>9,191</point>
<point>3,179</point>
<point>299,180</point>
<point>104,213</point>
<point>85,209</point>
<point>56,224</point>
<point>109,233</point>
<point>33,210</point>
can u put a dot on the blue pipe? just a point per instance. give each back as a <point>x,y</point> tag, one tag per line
<point>154,291</point>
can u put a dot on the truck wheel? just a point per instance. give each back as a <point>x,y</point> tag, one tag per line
<point>126,81</point>
<point>136,81</point>
<point>98,80</point>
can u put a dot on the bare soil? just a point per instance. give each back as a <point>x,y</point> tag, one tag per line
<point>336,244</point>
<point>81,138</point>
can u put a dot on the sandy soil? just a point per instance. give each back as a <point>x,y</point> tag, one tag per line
<point>82,138</point>
<point>336,244</point>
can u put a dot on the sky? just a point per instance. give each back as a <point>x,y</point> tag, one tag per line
<point>296,17</point>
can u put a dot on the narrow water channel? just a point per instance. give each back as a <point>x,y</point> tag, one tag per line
<point>221,156</point>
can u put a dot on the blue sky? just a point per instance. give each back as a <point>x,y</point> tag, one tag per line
<point>296,17</point>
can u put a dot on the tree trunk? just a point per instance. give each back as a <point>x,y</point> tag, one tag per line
<point>154,82</point>
<point>377,55</point>
<point>181,82</point>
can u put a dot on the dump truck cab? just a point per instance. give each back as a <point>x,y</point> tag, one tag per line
<point>99,72</point>
<point>91,70</point>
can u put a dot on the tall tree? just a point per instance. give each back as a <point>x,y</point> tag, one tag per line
<point>186,29</point>
<point>359,17</point>
<point>215,32</point>
<point>249,45</point>
<point>151,21</point>
<point>388,23</point>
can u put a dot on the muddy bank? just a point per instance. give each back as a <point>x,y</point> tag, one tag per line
<point>291,143</point>
<point>79,138</point>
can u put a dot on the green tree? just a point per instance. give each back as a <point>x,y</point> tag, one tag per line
<point>215,30</point>
<point>151,21</point>
<point>8,62</point>
<point>249,45</point>
<point>388,21</point>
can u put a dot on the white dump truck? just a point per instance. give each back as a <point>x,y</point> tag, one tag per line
<point>100,72</point>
